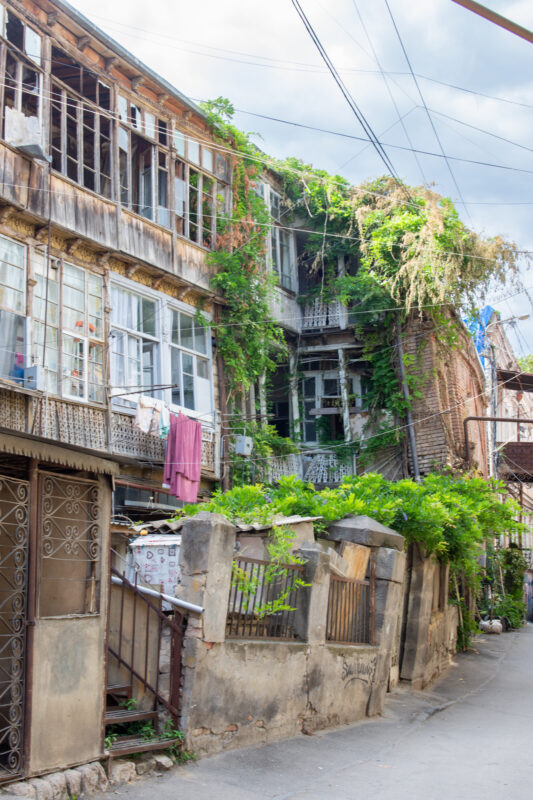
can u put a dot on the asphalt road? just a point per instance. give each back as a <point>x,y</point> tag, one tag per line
<point>469,736</point>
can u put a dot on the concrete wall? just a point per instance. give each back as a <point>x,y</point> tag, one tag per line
<point>430,623</point>
<point>243,692</point>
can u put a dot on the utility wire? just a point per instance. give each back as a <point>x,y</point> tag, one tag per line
<point>392,98</point>
<point>430,118</point>
<point>349,99</point>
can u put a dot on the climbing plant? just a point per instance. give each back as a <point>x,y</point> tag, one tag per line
<point>248,338</point>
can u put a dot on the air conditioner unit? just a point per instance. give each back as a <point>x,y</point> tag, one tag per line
<point>34,377</point>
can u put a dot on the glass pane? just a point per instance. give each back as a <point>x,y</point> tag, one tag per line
<point>122,109</point>
<point>148,316</point>
<point>202,368</point>
<point>207,159</point>
<point>73,276</point>
<point>275,205</point>
<point>73,366</point>
<point>200,338</point>
<point>179,143</point>
<point>148,366</point>
<point>13,346</point>
<point>96,373</point>
<point>187,363</point>
<point>33,45</point>
<point>220,166</point>
<point>188,390</point>
<point>175,327</point>
<point>187,334</point>
<point>331,388</point>
<point>193,151</point>
<point>175,375</point>
<point>149,124</point>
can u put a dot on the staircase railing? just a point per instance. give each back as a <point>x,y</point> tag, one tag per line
<point>138,651</point>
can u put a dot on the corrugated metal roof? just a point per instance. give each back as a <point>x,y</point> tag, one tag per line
<point>166,526</point>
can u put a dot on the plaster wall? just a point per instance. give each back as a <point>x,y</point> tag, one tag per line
<point>242,692</point>
<point>430,633</point>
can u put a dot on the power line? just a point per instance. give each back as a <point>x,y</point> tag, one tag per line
<point>430,118</point>
<point>349,99</point>
<point>400,118</point>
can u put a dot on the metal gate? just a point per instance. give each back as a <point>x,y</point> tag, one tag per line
<point>14,536</point>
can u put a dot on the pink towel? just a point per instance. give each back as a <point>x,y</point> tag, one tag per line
<point>183,459</point>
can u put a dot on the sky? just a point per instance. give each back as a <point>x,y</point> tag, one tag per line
<point>259,56</point>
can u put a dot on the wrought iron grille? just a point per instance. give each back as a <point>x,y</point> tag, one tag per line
<point>350,611</point>
<point>248,612</point>
<point>14,533</point>
<point>70,545</point>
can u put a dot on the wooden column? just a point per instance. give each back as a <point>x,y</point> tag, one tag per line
<point>345,397</point>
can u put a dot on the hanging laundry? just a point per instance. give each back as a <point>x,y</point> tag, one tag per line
<point>152,416</point>
<point>183,458</point>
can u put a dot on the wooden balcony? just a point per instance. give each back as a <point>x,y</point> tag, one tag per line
<point>92,428</point>
<point>321,467</point>
<point>101,222</point>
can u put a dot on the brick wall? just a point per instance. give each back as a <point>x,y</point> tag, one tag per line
<point>453,389</point>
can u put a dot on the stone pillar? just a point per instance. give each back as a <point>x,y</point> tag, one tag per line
<point>387,549</point>
<point>206,558</point>
<point>311,615</point>
<point>419,606</point>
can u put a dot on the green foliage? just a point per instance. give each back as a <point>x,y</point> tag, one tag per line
<point>513,610</point>
<point>450,516</point>
<point>249,340</point>
<point>514,565</point>
<point>267,443</point>
<point>279,548</point>
<point>526,363</point>
<point>110,740</point>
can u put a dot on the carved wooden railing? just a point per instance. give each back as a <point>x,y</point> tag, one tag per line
<point>87,426</point>
<point>325,468</point>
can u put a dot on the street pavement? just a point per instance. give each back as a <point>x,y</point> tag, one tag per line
<point>468,736</point>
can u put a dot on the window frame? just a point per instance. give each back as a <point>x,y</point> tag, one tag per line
<point>173,307</point>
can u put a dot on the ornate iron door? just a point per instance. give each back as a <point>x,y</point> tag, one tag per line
<point>14,534</point>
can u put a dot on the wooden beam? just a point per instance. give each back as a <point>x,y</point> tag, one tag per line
<point>497,19</point>
<point>83,42</point>
<point>52,18</point>
<point>111,62</point>
<point>137,81</point>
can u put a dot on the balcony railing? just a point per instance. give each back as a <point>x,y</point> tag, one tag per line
<point>321,467</point>
<point>86,426</point>
<point>318,314</point>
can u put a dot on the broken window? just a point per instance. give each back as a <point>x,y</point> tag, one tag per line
<point>180,195</point>
<point>22,101</point>
<point>201,208</point>
<point>144,177</point>
<point>12,309</point>
<point>21,35</point>
<point>80,134</point>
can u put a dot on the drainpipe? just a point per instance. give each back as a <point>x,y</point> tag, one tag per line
<point>409,416</point>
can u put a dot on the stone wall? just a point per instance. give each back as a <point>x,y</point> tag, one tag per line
<point>242,692</point>
<point>430,623</point>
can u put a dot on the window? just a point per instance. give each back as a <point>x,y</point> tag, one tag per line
<point>143,177</point>
<point>46,307</point>
<point>80,134</point>
<point>190,373</point>
<point>82,335</point>
<point>201,208</point>
<point>20,35</point>
<point>280,245</point>
<point>12,309</point>
<point>22,101</point>
<point>134,342</point>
